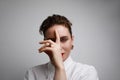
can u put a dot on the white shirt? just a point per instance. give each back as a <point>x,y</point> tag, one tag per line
<point>74,71</point>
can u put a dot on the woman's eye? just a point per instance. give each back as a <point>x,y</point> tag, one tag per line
<point>63,39</point>
<point>53,40</point>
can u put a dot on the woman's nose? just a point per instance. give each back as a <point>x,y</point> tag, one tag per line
<point>61,45</point>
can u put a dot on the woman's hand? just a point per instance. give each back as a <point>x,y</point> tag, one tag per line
<point>53,50</point>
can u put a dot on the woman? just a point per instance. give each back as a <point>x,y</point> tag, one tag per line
<point>57,44</point>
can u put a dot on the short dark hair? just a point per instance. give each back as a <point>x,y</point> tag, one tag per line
<point>55,20</point>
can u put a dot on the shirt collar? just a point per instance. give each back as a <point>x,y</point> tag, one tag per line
<point>67,63</point>
<point>50,68</point>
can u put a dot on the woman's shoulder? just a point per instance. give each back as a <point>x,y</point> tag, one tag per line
<point>40,67</point>
<point>36,72</point>
<point>84,67</point>
<point>86,70</point>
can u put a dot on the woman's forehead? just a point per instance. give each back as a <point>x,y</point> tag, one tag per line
<point>62,30</point>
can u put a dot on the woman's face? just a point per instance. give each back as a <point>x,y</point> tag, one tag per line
<point>66,41</point>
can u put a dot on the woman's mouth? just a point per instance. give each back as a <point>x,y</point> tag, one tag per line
<point>62,54</point>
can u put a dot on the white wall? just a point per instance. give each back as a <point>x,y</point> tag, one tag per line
<point>96,27</point>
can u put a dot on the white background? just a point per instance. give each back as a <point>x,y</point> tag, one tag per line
<point>96,28</point>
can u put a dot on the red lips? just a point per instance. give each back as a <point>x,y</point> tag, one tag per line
<point>62,54</point>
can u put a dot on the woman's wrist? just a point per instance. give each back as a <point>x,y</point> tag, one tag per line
<point>60,73</point>
<point>60,67</point>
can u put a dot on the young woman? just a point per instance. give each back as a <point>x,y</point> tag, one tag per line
<point>57,44</point>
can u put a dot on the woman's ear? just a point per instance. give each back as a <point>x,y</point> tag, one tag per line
<point>72,38</point>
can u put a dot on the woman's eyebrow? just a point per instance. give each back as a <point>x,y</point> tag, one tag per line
<point>54,39</point>
<point>64,37</point>
<point>49,38</point>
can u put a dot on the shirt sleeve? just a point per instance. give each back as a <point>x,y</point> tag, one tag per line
<point>85,73</point>
<point>29,75</point>
<point>89,74</point>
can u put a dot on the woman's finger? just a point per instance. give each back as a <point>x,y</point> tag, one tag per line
<point>40,50</point>
<point>45,49</point>
<point>57,36</point>
<point>46,41</point>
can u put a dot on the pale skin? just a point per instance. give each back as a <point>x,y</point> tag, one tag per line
<point>57,45</point>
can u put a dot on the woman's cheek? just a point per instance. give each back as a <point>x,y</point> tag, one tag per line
<point>68,46</point>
